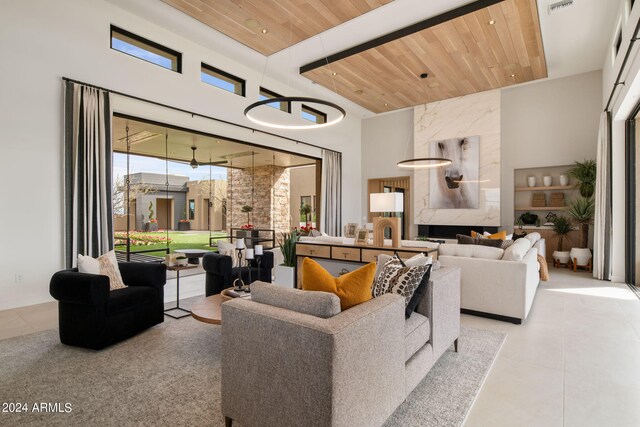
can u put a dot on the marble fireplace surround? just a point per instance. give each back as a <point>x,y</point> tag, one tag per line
<point>476,114</point>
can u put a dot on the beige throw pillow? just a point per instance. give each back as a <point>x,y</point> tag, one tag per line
<point>106,265</point>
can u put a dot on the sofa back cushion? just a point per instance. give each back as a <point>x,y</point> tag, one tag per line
<point>319,304</point>
<point>517,250</point>
<point>470,251</point>
<point>533,237</point>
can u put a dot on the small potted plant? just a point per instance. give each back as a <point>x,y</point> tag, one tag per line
<point>585,174</point>
<point>152,225</point>
<point>184,224</point>
<point>284,273</point>
<point>305,210</point>
<point>561,227</point>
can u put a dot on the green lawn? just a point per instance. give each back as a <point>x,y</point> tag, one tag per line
<point>179,240</point>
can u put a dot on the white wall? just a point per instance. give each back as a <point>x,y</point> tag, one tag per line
<point>42,41</point>
<point>386,140</point>
<point>548,123</point>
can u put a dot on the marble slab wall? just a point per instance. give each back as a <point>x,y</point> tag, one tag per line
<point>471,115</point>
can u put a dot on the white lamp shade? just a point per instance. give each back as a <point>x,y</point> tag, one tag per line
<point>386,202</point>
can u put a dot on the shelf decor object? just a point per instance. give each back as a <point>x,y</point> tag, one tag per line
<point>564,180</point>
<point>531,181</point>
<point>382,203</point>
<point>547,181</point>
<point>538,200</point>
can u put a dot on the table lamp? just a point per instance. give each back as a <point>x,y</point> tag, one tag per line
<point>381,203</point>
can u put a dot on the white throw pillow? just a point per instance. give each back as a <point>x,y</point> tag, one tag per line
<point>517,251</point>
<point>106,264</point>
<point>229,249</point>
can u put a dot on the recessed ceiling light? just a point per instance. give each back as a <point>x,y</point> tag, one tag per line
<point>265,31</point>
<point>424,75</point>
<point>218,142</point>
<point>334,74</point>
<point>492,22</point>
<point>386,105</point>
<point>513,75</point>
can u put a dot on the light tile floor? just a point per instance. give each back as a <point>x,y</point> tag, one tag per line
<point>574,362</point>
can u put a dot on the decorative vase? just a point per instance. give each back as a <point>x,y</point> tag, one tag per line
<point>581,255</point>
<point>564,180</point>
<point>284,276</point>
<point>562,257</point>
<point>547,181</point>
<point>531,181</point>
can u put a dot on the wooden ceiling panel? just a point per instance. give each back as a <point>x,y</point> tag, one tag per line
<point>287,21</point>
<point>462,55</point>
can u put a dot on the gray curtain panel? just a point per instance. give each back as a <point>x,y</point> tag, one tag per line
<point>602,222</point>
<point>331,207</point>
<point>87,172</point>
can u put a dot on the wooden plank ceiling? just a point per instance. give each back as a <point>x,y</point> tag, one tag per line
<point>493,47</point>
<point>286,22</point>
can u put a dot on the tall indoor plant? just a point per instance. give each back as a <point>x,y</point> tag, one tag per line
<point>284,273</point>
<point>582,211</point>
<point>561,227</point>
<point>585,174</point>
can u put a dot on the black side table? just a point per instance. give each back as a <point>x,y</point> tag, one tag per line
<point>185,312</point>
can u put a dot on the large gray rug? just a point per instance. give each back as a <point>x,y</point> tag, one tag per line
<point>170,375</point>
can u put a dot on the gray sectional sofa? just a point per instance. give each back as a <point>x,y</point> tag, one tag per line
<point>291,357</point>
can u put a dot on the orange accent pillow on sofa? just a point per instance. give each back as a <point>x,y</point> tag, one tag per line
<point>500,235</point>
<point>352,288</point>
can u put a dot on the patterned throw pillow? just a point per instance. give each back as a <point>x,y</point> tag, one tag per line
<point>398,279</point>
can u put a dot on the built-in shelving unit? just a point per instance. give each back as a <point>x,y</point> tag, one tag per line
<point>523,193</point>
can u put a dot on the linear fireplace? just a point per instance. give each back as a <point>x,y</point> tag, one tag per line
<point>450,231</point>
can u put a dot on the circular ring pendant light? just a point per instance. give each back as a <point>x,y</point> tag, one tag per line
<point>424,162</point>
<point>290,99</point>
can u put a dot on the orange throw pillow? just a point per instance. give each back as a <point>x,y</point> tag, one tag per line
<point>352,288</point>
<point>500,235</point>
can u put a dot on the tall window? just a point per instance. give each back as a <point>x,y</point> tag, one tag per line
<point>267,94</point>
<point>139,47</point>
<point>313,115</point>
<point>222,79</point>
<point>192,209</point>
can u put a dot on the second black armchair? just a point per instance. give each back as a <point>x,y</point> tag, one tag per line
<point>220,272</point>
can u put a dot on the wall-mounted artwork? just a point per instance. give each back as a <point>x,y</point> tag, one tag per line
<point>456,186</point>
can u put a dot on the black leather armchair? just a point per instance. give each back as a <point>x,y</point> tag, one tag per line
<point>92,316</point>
<point>219,273</point>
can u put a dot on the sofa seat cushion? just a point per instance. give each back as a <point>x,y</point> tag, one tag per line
<point>417,331</point>
<point>470,251</point>
<point>128,298</point>
<point>318,304</point>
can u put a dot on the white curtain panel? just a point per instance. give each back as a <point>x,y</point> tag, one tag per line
<point>87,172</point>
<point>602,222</point>
<point>331,206</point>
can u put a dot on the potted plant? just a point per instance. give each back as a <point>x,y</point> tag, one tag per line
<point>561,227</point>
<point>528,218</point>
<point>152,225</point>
<point>285,272</point>
<point>582,211</point>
<point>184,224</point>
<point>248,230</point>
<point>585,174</point>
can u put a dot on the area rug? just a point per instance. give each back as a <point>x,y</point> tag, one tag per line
<point>170,375</point>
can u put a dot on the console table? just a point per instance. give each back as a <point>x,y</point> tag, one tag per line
<point>359,254</point>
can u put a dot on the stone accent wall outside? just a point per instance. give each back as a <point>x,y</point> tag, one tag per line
<point>271,197</point>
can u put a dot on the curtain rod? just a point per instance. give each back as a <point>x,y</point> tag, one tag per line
<point>634,39</point>
<point>182,110</point>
